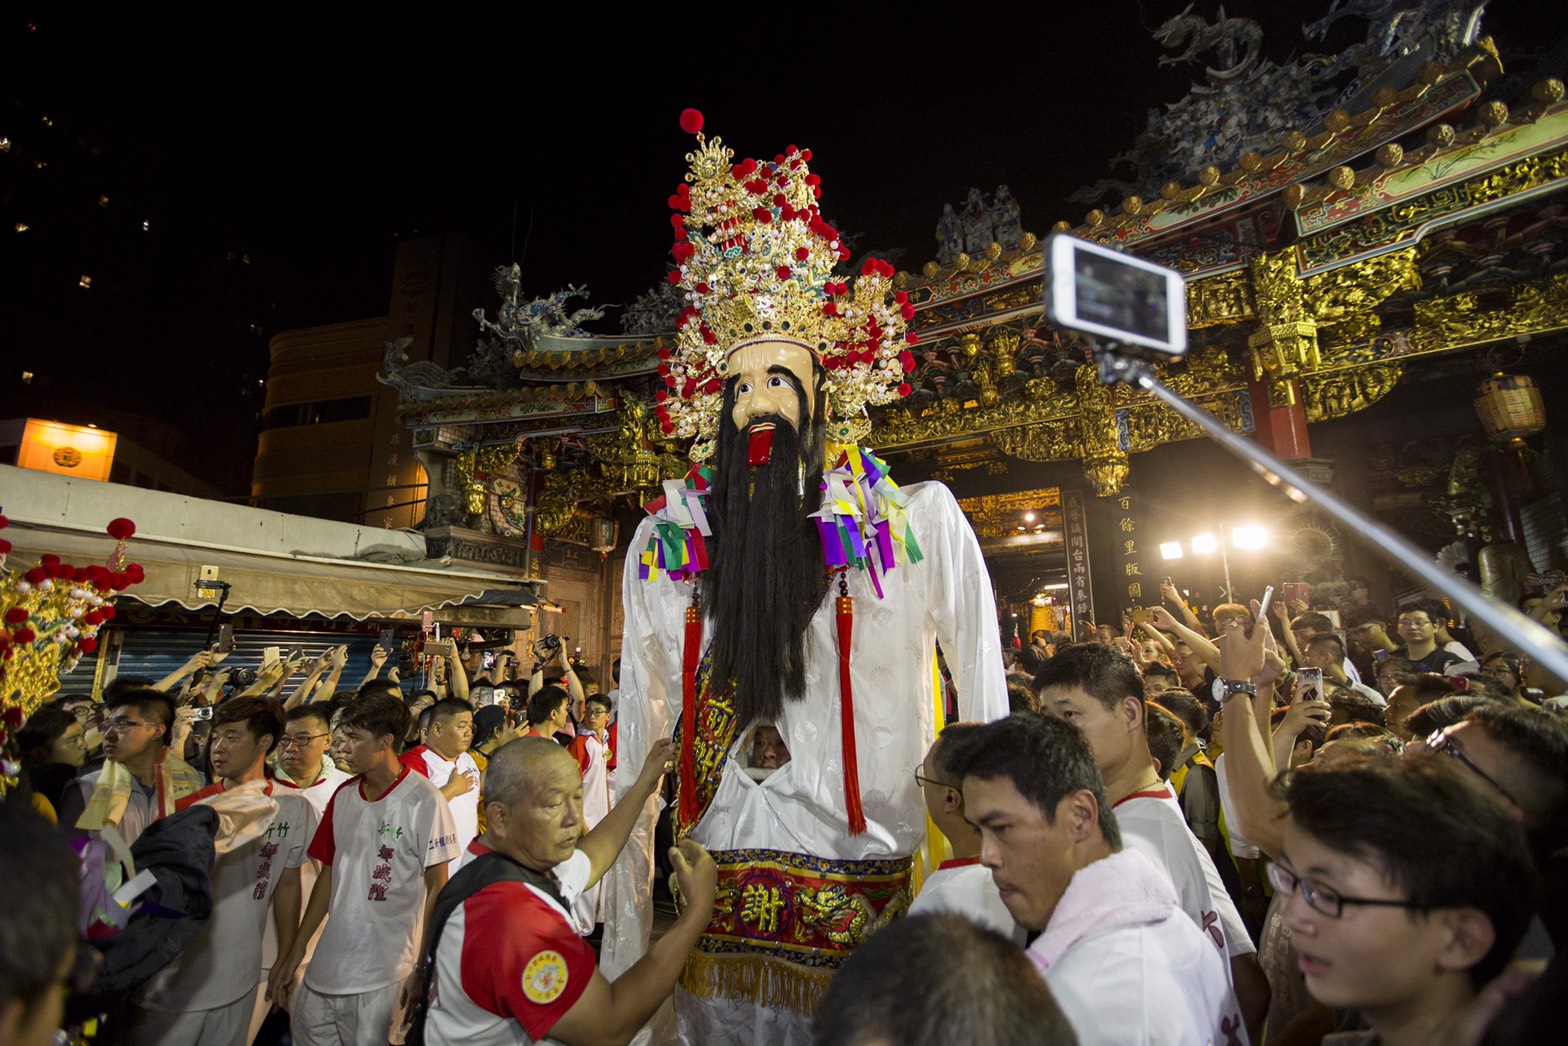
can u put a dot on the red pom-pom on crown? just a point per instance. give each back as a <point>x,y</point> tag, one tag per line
<point>121,529</point>
<point>691,121</point>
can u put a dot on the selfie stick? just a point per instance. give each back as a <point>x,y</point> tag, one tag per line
<point>1524,633</point>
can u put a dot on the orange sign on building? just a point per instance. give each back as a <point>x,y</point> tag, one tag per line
<point>66,450</point>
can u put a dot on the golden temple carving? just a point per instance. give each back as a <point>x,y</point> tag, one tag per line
<point>1286,343</point>
<point>1224,298</point>
<point>996,515</point>
<point>1350,293</point>
<point>1337,394</point>
<point>1458,320</point>
<point>1104,460</point>
<point>1055,441</point>
<point>1152,424</point>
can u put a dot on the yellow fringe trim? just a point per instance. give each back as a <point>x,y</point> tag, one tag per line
<point>764,980</point>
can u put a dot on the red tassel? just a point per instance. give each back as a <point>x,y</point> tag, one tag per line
<point>845,614</point>
<point>691,653</point>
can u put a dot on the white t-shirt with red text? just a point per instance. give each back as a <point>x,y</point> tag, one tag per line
<point>510,963</point>
<point>379,850</point>
<point>223,961</point>
<point>465,808</point>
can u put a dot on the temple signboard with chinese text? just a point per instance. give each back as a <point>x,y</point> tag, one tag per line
<point>1080,585</point>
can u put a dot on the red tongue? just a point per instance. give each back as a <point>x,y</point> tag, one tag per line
<point>760,448</point>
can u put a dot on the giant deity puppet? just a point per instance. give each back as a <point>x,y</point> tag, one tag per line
<point>787,581</point>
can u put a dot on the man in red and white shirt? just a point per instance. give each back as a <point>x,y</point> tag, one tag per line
<point>510,967</point>
<point>443,756</point>
<point>1097,689</point>
<point>206,995</point>
<point>383,844</point>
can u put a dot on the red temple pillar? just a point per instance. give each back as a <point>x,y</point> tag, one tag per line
<point>1280,420</point>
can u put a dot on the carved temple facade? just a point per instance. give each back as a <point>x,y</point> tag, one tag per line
<point>1419,222</point>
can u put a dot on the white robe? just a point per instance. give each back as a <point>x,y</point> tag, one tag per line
<point>946,596</point>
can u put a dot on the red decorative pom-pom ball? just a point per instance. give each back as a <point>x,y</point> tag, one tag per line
<point>120,529</point>
<point>691,121</point>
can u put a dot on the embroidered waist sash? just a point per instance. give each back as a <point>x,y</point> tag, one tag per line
<point>783,922</point>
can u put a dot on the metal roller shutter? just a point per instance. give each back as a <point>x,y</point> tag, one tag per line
<point>154,653</point>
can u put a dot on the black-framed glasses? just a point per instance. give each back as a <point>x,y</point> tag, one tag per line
<point>299,742</point>
<point>922,780</point>
<point>1327,901</point>
<point>1439,741</point>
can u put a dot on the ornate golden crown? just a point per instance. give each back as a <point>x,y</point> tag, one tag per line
<point>754,259</point>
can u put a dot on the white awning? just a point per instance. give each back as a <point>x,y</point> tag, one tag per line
<point>290,584</point>
<point>274,562</point>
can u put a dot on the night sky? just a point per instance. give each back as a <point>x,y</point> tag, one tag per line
<point>311,146</point>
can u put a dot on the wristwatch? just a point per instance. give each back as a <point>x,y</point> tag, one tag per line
<point>1224,689</point>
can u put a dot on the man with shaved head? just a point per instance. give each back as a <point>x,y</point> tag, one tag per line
<point>503,948</point>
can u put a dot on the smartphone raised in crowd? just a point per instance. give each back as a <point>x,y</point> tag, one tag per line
<point>226,638</point>
<point>1309,684</point>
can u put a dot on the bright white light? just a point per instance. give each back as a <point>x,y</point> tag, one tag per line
<point>1203,544</point>
<point>1250,536</point>
<point>1170,550</point>
<point>1028,517</point>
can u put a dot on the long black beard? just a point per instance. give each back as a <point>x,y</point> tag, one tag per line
<point>765,578</point>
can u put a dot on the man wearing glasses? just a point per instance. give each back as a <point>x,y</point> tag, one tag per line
<point>302,756</point>
<point>1405,889</point>
<point>1520,756</point>
<point>140,780</point>
<point>961,884</point>
<point>304,763</point>
<point>1417,626</point>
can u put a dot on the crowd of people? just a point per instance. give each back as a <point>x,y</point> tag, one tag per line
<point>305,921</point>
<point>1229,829</point>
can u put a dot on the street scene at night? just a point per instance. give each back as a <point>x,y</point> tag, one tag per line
<point>897,526</point>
